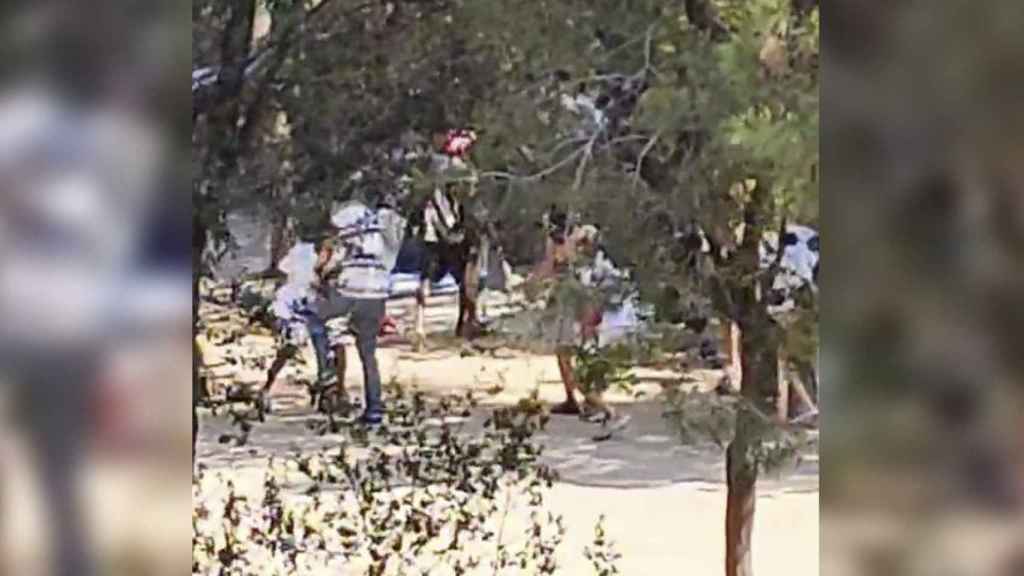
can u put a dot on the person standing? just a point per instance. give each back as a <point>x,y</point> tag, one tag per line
<point>565,245</point>
<point>292,304</point>
<point>72,217</point>
<point>364,247</point>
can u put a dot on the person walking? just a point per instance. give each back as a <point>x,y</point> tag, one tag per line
<point>363,248</point>
<point>292,302</point>
<point>567,248</point>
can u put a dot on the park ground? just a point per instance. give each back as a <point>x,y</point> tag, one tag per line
<point>664,502</point>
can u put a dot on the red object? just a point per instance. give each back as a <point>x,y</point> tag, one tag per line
<point>388,326</point>
<point>459,142</point>
<point>110,429</point>
<point>592,318</point>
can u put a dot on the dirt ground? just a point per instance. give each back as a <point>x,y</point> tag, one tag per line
<point>664,502</point>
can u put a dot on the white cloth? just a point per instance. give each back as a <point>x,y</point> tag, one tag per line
<point>76,185</point>
<point>299,265</point>
<point>439,217</point>
<point>368,246</point>
<point>601,272</point>
<point>796,267</point>
<point>296,294</point>
<point>798,260</point>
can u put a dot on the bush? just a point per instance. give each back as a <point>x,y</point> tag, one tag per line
<point>424,495</point>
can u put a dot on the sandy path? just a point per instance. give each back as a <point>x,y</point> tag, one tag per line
<point>664,502</point>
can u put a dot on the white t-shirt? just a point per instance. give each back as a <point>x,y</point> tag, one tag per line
<point>296,294</point>
<point>76,187</point>
<point>798,260</point>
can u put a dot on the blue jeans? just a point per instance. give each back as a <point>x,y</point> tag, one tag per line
<point>364,317</point>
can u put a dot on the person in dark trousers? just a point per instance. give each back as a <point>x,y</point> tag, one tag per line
<point>293,302</point>
<point>71,208</point>
<point>366,243</point>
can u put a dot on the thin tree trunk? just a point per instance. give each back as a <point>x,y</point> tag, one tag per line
<point>782,401</point>
<point>759,345</point>
<point>198,389</point>
<point>278,238</point>
<point>759,388</point>
<point>741,502</point>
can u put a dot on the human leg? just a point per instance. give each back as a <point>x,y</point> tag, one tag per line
<point>332,306</point>
<point>569,406</point>
<point>590,323</point>
<point>421,304</point>
<point>366,318</point>
<point>52,406</point>
<point>284,354</point>
<point>468,298</point>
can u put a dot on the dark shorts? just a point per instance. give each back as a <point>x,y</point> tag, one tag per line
<point>440,259</point>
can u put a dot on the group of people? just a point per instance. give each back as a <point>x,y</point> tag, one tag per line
<point>341,271</point>
<point>338,270</point>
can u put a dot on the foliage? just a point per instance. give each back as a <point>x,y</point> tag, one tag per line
<point>420,497</point>
<point>705,114</point>
<point>599,368</point>
<point>602,553</point>
<point>700,417</point>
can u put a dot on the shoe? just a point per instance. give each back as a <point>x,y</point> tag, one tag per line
<point>265,404</point>
<point>618,422</point>
<point>327,379</point>
<point>371,419</point>
<point>332,402</point>
<point>566,409</point>
<point>611,426</point>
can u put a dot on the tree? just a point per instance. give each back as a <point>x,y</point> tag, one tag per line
<point>649,117</point>
<point>274,122</point>
<point>707,117</point>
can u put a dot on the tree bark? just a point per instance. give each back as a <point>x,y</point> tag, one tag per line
<point>740,504</point>
<point>759,389</point>
<point>199,236</point>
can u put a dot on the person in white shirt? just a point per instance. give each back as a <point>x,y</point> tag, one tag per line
<point>293,302</point>
<point>364,246</point>
<point>77,179</point>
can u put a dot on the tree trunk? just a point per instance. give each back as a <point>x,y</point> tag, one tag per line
<point>759,343</point>
<point>759,388</point>
<point>741,500</point>
<point>196,387</point>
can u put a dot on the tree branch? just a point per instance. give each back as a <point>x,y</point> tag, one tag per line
<point>643,156</point>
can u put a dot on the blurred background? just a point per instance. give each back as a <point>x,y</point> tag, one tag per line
<point>94,291</point>
<point>923,460</point>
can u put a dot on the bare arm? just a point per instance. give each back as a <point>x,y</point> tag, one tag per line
<point>546,267</point>
<point>323,259</point>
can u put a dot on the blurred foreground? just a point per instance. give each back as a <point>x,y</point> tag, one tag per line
<point>93,284</point>
<point>923,470</point>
